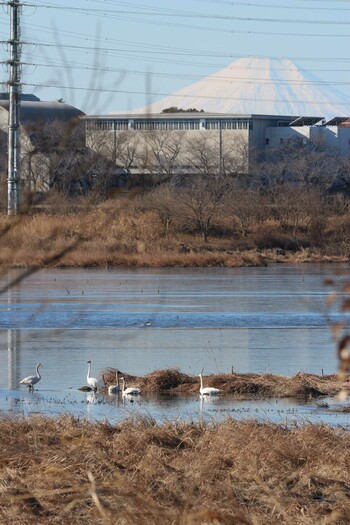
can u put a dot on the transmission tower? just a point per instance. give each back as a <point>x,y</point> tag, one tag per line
<point>14,88</point>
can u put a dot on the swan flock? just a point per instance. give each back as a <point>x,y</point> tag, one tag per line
<point>95,384</point>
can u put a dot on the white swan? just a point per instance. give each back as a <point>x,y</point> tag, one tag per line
<point>131,391</point>
<point>30,381</point>
<point>208,390</point>
<point>92,381</point>
<point>114,389</point>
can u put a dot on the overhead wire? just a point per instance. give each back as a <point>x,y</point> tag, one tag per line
<point>231,30</point>
<point>211,78</point>
<point>126,53</point>
<point>274,6</point>
<point>149,93</point>
<point>166,49</point>
<point>190,14</point>
<point>160,52</point>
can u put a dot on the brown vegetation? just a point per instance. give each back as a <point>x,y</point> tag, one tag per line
<point>171,199</point>
<point>175,227</point>
<point>239,385</point>
<point>231,473</point>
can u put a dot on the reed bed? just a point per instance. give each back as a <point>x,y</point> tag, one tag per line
<point>238,385</point>
<point>113,235</point>
<point>231,473</point>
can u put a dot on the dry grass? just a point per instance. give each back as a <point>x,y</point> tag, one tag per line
<point>69,471</point>
<point>112,235</point>
<point>239,385</point>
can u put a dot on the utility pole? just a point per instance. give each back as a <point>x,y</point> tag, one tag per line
<point>220,147</point>
<point>14,83</point>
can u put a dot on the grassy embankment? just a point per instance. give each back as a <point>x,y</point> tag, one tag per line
<point>115,234</point>
<point>139,473</point>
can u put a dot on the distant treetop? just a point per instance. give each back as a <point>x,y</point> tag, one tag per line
<point>174,109</point>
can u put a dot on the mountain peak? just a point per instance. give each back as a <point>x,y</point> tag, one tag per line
<point>259,86</point>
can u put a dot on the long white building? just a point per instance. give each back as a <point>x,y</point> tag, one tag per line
<point>195,141</point>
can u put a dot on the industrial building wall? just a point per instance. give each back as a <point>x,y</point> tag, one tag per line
<point>173,151</point>
<point>332,139</point>
<point>262,128</point>
<point>275,137</point>
<point>344,142</point>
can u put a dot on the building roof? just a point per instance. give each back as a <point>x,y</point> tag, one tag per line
<point>188,115</point>
<point>37,110</point>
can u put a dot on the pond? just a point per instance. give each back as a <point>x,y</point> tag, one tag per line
<point>273,319</point>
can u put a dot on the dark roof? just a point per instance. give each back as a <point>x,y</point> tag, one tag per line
<point>37,110</point>
<point>24,96</point>
<point>336,121</point>
<point>305,121</point>
<point>188,115</point>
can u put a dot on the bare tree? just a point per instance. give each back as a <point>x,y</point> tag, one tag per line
<point>293,206</point>
<point>202,153</point>
<point>245,207</point>
<point>163,201</point>
<point>235,155</point>
<point>200,201</point>
<point>163,151</point>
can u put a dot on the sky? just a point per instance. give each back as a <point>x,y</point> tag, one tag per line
<point>106,56</point>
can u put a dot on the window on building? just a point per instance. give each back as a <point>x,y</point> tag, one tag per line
<point>216,124</point>
<point>106,125</point>
<point>120,125</point>
<point>166,124</point>
<point>267,141</point>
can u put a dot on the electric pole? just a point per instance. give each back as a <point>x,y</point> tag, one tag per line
<point>14,83</point>
<point>220,147</point>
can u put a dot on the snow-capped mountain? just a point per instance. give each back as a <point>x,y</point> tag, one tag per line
<point>259,86</point>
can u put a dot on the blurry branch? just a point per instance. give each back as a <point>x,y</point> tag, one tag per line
<point>46,262</point>
<point>94,496</point>
<point>342,339</point>
<point>344,357</point>
<point>13,221</point>
<point>96,82</point>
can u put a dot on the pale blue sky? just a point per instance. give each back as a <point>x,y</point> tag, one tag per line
<point>105,55</point>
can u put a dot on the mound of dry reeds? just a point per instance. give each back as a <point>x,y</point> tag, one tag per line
<point>157,381</point>
<point>239,385</point>
<point>55,471</point>
<point>165,380</point>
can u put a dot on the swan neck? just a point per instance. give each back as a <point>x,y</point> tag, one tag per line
<point>201,380</point>
<point>37,372</point>
<point>89,370</point>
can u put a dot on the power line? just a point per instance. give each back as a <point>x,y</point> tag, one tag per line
<point>167,49</point>
<point>109,50</point>
<point>212,78</point>
<point>230,31</point>
<point>149,93</point>
<point>273,6</point>
<point>143,45</point>
<point>189,14</point>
